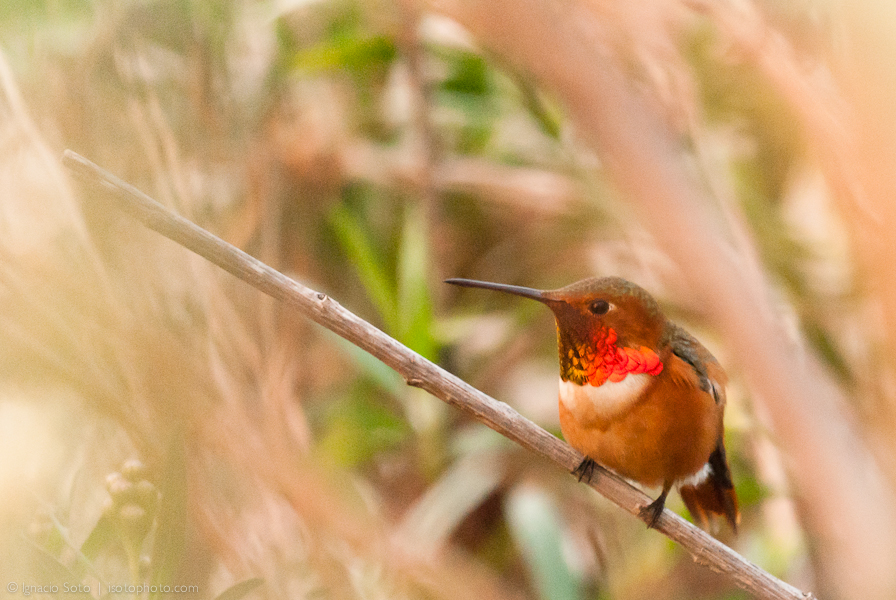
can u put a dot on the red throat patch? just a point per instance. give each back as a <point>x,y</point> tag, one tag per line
<point>601,360</point>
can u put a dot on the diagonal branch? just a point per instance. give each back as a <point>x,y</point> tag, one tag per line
<point>419,372</point>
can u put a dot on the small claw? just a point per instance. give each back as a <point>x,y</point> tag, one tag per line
<point>585,470</point>
<point>651,513</point>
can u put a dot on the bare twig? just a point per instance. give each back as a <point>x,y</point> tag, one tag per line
<point>419,372</point>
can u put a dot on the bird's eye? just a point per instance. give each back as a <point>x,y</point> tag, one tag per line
<point>599,307</point>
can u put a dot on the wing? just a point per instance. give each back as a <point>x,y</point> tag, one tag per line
<point>710,491</point>
<point>709,372</point>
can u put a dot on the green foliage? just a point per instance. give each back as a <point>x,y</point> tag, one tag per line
<point>359,426</point>
<point>50,571</point>
<point>396,284</point>
<point>168,548</point>
<point>548,117</point>
<point>369,264</point>
<point>470,76</point>
<point>414,303</point>
<point>468,92</point>
<point>370,369</point>
<point>360,56</point>
<point>101,537</point>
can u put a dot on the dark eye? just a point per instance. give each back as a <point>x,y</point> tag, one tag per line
<point>599,307</point>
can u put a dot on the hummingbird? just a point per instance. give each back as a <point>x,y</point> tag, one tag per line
<point>639,395</point>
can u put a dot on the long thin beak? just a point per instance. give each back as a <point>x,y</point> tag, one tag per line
<point>516,290</point>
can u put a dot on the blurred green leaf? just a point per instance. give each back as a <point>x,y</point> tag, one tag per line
<point>357,245</point>
<point>378,372</point>
<point>49,571</point>
<point>53,537</point>
<point>548,119</point>
<point>415,305</point>
<point>359,427</point>
<point>168,548</point>
<point>53,540</point>
<point>358,55</point>
<point>238,590</point>
<point>102,534</point>
<point>469,75</point>
<point>469,90</point>
<point>750,491</point>
<point>535,524</point>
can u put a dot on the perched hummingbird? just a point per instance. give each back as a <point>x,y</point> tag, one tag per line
<point>638,394</point>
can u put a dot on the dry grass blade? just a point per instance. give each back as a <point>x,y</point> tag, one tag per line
<point>422,373</point>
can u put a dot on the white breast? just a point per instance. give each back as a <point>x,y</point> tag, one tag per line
<point>603,402</point>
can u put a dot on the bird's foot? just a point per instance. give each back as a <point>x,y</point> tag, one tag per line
<point>651,513</point>
<point>585,470</point>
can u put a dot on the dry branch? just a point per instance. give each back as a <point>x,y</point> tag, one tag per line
<point>419,372</point>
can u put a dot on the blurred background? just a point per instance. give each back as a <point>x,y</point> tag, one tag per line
<point>162,423</point>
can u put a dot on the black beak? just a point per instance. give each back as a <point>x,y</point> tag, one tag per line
<point>516,290</point>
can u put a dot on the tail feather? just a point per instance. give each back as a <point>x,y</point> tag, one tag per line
<point>712,493</point>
